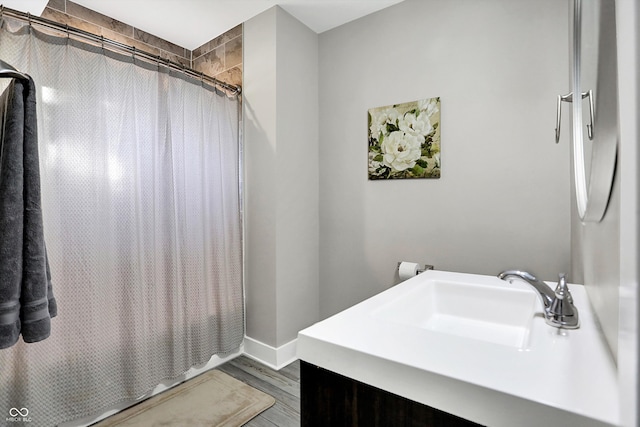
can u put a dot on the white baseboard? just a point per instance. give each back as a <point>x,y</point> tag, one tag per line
<point>275,358</point>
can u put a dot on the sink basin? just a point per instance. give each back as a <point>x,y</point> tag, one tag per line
<point>494,312</point>
<point>474,346</point>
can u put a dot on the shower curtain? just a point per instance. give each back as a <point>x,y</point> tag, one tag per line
<point>141,210</point>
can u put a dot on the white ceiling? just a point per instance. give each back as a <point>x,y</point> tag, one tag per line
<point>191,23</point>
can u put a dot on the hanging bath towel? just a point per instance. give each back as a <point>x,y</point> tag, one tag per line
<point>26,298</point>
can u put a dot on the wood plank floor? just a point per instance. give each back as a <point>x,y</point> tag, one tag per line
<point>283,385</point>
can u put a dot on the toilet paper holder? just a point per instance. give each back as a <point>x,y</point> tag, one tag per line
<point>426,267</point>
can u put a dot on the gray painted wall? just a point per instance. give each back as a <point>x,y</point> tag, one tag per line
<point>259,117</point>
<point>504,198</point>
<point>607,253</point>
<point>595,246</point>
<point>628,35</point>
<point>280,98</point>
<point>596,258</point>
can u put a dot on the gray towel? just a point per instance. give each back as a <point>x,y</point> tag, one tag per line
<point>26,298</point>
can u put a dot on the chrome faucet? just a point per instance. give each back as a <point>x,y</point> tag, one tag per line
<point>559,310</point>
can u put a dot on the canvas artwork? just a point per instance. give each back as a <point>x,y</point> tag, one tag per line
<point>404,140</point>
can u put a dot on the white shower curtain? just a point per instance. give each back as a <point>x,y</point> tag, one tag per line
<point>140,200</point>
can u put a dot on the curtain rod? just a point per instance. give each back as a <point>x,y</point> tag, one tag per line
<point>30,19</point>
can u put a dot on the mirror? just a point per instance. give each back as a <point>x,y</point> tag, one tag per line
<point>589,34</point>
<point>595,111</point>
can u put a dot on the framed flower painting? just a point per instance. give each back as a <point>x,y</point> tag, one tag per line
<point>404,140</point>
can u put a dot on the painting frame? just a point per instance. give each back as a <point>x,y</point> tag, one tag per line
<point>404,140</point>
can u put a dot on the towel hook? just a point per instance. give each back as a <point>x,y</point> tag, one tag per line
<point>569,98</point>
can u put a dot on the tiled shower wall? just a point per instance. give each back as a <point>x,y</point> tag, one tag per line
<point>220,58</point>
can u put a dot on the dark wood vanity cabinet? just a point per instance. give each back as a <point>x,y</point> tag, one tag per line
<point>332,400</point>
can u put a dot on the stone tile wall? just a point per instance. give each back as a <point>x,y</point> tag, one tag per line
<point>220,58</point>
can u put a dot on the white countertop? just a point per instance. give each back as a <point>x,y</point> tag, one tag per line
<point>558,377</point>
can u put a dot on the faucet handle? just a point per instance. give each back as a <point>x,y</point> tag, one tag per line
<point>561,304</point>
<point>562,283</point>
<point>562,290</point>
<point>562,312</point>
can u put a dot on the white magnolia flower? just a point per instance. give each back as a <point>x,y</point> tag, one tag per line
<point>415,125</point>
<point>379,120</point>
<point>428,106</point>
<point>373,164</point>
<point>400,151</point>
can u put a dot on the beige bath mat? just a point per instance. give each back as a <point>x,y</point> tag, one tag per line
<point>211,399</point>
